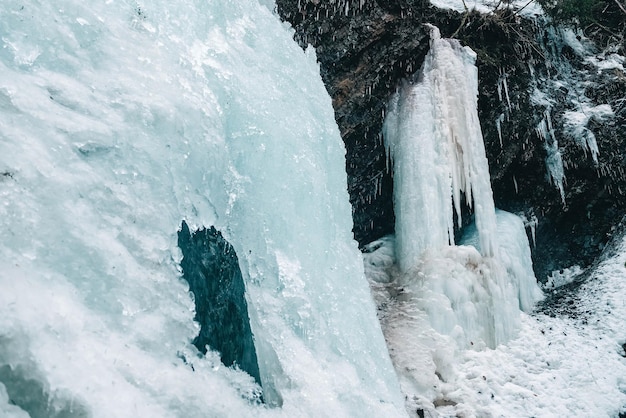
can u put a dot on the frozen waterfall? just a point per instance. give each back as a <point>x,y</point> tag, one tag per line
<point>433,135</point>
<point>434,138</point>
<point>437,299</point>
<point>118,120</point>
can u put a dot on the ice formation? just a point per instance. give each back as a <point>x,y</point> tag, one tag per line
<point>438,154</point>
<point>579,109</point>
<point>117,121</point>
<point>472,293</point>
<point>554,160</point>
<point>513,256</point>
<point>576,125</point>
<point>456,300</point>
<point>437,299</point>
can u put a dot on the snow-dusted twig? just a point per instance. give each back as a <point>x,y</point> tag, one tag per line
<point>523,7</point>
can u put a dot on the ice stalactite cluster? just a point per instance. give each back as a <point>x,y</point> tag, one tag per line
<point>554,159</point>
<point>579,109</point>
<point>437,299</point>
<point>471,294</point>
<point>435,142</point>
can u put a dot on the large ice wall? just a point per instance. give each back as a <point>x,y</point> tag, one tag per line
<point>117,121</point>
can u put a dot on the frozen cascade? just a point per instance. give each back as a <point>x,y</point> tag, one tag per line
<point>118,121</point>
<point>438,154</point>
<point>437,299</point>
<point>434,138</point>
<point>514,257</point>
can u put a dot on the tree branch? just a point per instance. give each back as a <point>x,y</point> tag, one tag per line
<point>519,10</point>
<point>456,32</point>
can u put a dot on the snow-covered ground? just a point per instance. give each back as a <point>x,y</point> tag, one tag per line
<point>570,364</point>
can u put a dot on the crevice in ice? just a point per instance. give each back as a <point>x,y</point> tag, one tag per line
<point>531,222</point>
<point>211,268</point>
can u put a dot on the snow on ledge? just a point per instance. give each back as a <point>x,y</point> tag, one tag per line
<point>530,9</point>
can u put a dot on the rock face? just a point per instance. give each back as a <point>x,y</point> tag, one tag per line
<point>211,268</point>
<point>528,76</point>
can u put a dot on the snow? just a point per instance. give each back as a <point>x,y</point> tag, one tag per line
<point>607,61</point>
<point>562,277</point>
<point>117,121</point>
<point>527,8</point>
<point>575,125</point>
<point>557,365</point>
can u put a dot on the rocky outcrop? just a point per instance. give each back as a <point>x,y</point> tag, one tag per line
<point>529,76</point>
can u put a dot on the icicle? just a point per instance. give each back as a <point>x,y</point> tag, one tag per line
<point>503,86</point>
<point>499,121</point>
<point>576,126</point>
<point>554,160</point>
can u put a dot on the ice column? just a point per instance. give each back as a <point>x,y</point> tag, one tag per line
<point>433,135</point>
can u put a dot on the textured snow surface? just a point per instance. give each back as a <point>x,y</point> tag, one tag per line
<point>556,367</point>
<point>117,121</point>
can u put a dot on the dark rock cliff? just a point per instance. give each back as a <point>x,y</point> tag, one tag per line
<point>365,48</point>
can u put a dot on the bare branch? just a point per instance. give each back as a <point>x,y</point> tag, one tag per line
<point>456,32</point>
<point>519,10</point>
